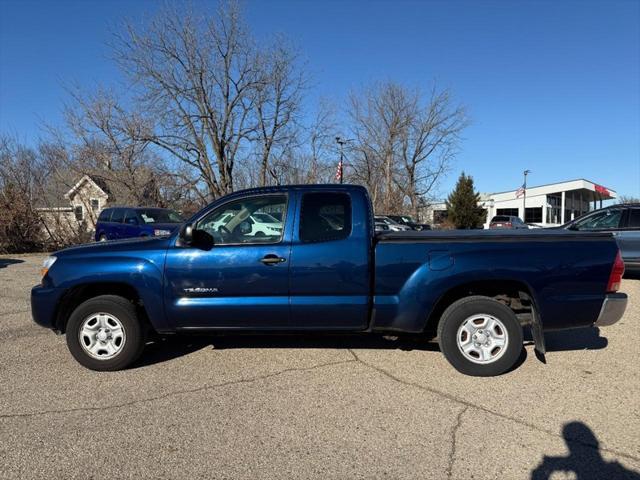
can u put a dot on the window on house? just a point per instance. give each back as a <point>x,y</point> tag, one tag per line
<point>95,204</point>
<point>78,212</point>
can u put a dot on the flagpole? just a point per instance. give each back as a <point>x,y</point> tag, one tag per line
<point>524,197</point>
<point>341,142</point>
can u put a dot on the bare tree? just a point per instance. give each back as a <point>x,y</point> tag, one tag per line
<point>19,174</point>
<point>208,90</point>
<point>404,142</point>
<point>313,158</point>
<point>277,105</point>
<point>628,199</point>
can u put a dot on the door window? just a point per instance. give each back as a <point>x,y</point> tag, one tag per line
<point>253,220</point>
<point>131,218</point>
<point>605,220</point>
<point>325,217</point>
<point>118,215</point>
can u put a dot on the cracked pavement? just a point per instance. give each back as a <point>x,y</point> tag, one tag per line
<point>305,407</point>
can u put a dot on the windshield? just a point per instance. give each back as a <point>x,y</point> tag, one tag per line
<point>160,215</point>
<point>599,221</point>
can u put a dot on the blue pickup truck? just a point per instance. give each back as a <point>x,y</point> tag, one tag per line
<point>320,267</point>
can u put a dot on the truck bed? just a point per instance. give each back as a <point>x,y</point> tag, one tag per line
<point>565,273</point>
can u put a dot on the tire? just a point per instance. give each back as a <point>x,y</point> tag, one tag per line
<point>494,325</point>
<point>112,317</point>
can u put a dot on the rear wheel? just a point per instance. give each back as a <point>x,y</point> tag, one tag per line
<point>480,336</point>
<point>104,333</point>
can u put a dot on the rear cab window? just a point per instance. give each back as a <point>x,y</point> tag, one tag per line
<point>325,217</point>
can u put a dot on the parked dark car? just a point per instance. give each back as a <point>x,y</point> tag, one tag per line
<point>409,222</point>
<point>472,290</point>
<point>507,221</point>
<point>127,222</point>
<point>623,221</point>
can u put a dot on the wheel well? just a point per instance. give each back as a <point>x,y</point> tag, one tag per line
<point>515,295</point>
<point>77,295</point>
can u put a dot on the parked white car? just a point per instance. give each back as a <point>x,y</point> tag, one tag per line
<point>262,224</point>
<point>393,226</point>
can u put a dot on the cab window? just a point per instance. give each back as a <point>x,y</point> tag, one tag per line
<point>252,220</point>
<point>325,217</point>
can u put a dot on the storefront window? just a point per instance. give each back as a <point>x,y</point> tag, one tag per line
<point>533,215</point>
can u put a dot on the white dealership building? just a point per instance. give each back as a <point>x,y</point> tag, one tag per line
<point>544,205</point>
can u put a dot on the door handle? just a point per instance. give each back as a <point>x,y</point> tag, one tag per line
<point>272,259</point>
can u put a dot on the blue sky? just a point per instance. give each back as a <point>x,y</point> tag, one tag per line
<point>551,86</point>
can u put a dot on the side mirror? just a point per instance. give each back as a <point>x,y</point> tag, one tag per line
<point>187,234</point>
<point>202,240</point>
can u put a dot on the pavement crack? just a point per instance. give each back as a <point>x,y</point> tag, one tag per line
<point>174,393</point>
<point>454,433</point>
<point>468,404</point>
<point>16,312</point>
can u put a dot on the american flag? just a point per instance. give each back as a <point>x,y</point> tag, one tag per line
<point>520,192</point>
<point>339,171</point>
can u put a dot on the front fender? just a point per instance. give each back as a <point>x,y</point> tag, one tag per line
<point>144,275</point>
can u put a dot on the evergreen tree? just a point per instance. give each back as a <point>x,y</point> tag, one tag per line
<point>462,204</point>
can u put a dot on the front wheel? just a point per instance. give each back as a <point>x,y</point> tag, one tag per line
<point>480,336</point>
<point>104,333</point>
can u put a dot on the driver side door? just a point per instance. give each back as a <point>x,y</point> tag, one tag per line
<point>242,281</point>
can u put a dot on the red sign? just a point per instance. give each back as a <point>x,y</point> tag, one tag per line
<point>602,191</point>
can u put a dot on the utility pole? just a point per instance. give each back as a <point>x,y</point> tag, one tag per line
<point>524,197</point>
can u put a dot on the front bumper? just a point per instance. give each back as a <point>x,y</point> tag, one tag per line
<point>43,305</point>
<point>612,309</point>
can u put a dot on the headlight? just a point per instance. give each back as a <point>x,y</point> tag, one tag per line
<point>46,265</point>
<point>161,233</point>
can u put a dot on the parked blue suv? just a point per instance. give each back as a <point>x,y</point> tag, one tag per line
<point>127,222</point>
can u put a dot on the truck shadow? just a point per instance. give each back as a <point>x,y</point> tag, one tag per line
<point>575,339</point>
<point>175,346</point>
<point>5,262</point>
<point>584,458</point>
<point>164,349</point>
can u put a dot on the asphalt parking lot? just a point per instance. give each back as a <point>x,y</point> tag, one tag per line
<point>294,407</point>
